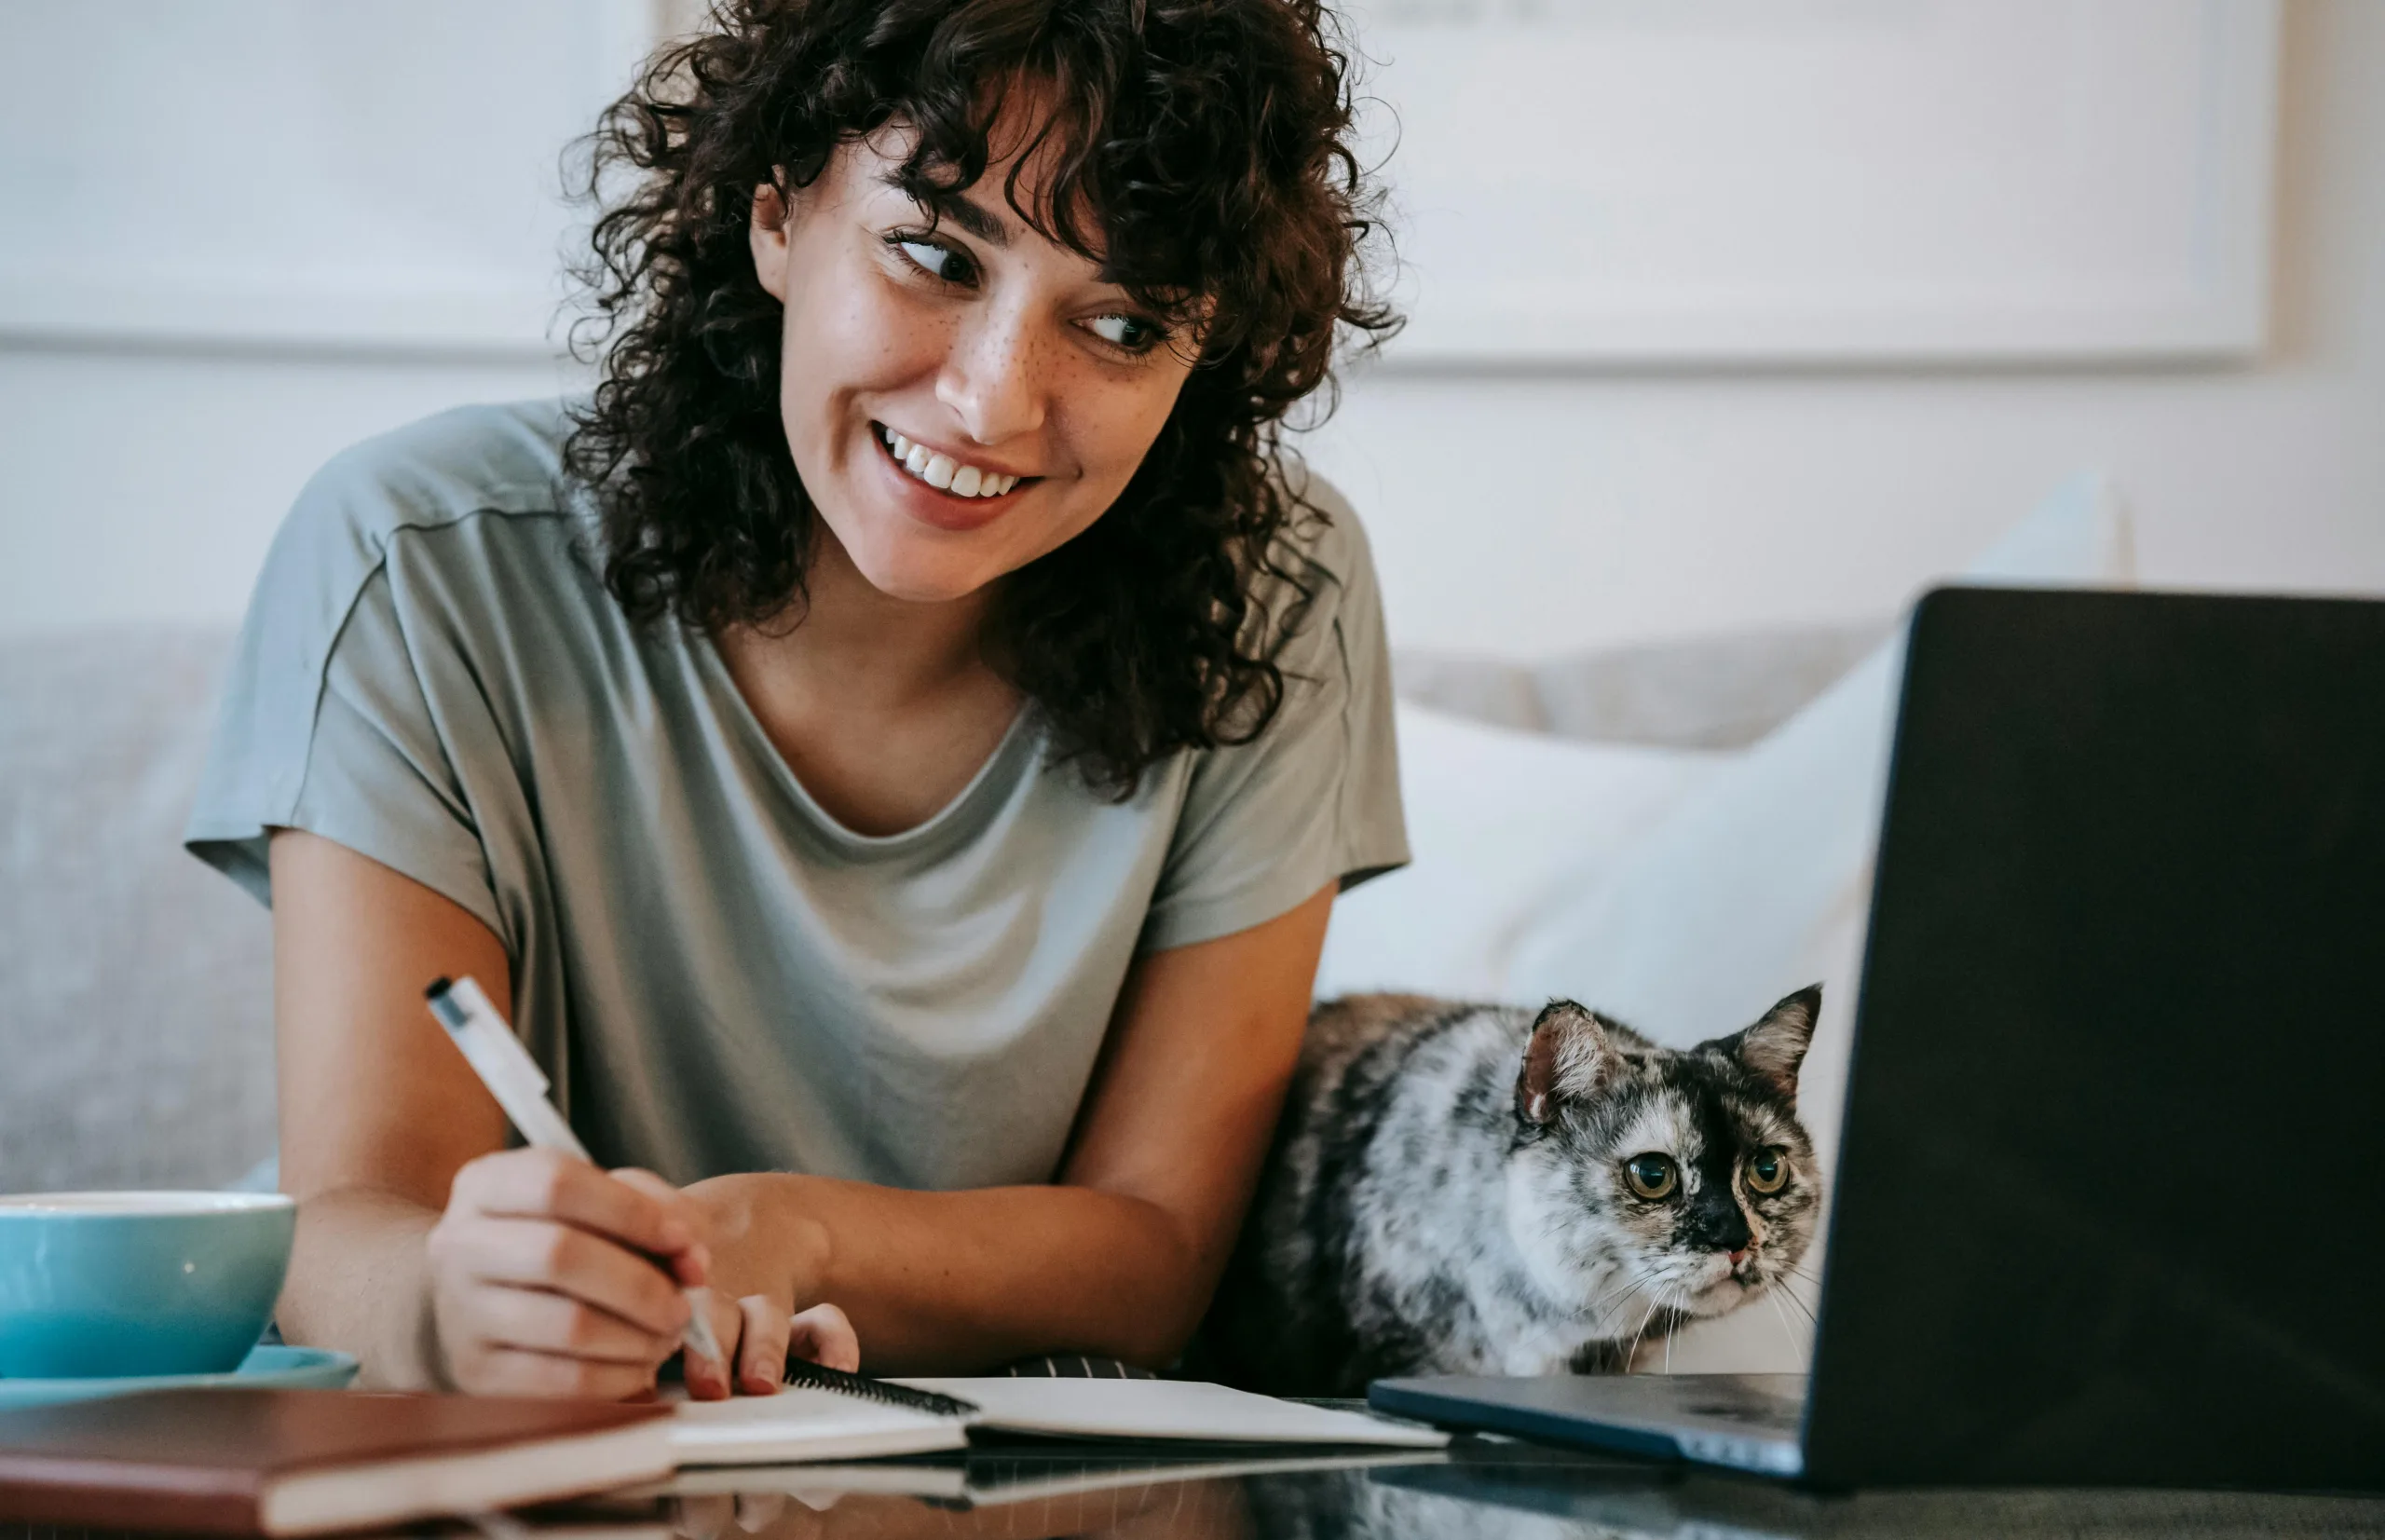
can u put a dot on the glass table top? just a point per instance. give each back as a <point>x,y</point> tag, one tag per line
<point>1481,1488</point>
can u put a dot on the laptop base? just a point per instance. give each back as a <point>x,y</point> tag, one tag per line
<point>1745,1422</point>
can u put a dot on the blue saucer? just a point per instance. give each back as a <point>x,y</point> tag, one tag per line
<point>264,1369</point>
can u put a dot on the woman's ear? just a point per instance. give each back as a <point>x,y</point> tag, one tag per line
<point>767,232</point>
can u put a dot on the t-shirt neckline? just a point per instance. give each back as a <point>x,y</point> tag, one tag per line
<point>996,772</point>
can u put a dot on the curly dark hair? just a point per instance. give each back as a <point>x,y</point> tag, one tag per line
<point>1207,141</point>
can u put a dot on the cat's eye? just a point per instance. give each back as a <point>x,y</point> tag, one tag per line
<point>1767,1172</point>
<point>1652,1175</point>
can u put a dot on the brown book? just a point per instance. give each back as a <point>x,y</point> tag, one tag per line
<point>308,1462</point>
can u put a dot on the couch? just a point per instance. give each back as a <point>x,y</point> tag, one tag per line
<point>135,984</point>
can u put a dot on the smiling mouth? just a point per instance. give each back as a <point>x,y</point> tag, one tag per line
<point>952,477</point>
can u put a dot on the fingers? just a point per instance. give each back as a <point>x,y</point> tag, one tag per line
<point>761,1350</point>
<point>533,1320</point>
<point>545,1279</point>
<point>826,1337</point>
<point>703,1518</point>
<point>759,1335</point>
<point>759,1510</point>
<point>540,1254</point>
<point>708,1379</point>
<point>635,1209</point>
<point>692,1264</point>
<point>525,1373</point>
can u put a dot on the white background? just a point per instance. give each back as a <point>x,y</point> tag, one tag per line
<point>1513,510</point>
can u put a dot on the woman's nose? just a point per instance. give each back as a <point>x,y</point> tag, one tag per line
<point>993,378</point>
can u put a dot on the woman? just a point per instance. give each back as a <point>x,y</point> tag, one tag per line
<point>895,746</point>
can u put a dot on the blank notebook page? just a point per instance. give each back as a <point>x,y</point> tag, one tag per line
<point>799,1423</point>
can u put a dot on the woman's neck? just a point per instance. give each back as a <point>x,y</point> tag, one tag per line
<point>883,708</point>
<point>852,642</point>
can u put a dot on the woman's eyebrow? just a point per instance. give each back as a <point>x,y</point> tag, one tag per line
<point>956,207</point>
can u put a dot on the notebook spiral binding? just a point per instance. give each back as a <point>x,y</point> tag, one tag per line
<point>801,1372</point>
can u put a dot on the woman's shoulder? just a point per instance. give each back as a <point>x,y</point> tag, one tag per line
<point>471,480</point>
<point>1324,533</point>
<point>1321,590</point>
<point>503,459</point>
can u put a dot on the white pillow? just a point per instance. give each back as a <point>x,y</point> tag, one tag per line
<point>1498,822</point>
<point>1758,884</point>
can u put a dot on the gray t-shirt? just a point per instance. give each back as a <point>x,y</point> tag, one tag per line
<point>715,974</point>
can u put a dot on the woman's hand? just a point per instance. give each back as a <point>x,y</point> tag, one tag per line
<point>759,1336</point>
<point>551,1277</point>
<point>764,1305</point>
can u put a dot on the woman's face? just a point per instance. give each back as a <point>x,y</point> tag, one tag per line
<point>958,402</point>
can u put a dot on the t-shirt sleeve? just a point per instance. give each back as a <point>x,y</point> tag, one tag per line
<point>1315,798</point>
<point>327,722</point>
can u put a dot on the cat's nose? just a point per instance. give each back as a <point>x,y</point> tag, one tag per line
<point>1739,1258</point>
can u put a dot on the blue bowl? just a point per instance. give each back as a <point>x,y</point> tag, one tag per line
<point>105,1284</point>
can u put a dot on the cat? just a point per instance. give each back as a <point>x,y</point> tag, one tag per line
<point>1462,1188</point>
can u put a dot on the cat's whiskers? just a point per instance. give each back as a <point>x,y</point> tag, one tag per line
<point>1656,1302</point>
<point>1787,1330</point>
<point>1619,1298</point>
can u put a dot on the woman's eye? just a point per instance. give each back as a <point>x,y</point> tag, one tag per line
<point>1767,1172</point>
<point>1652,1175</point>
<point>938,261</point>
<point>1132,332</point>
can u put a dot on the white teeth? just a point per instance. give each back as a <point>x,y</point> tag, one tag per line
<point>943,472</point>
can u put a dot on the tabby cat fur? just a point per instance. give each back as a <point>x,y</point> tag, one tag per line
<point>1479,1190</point>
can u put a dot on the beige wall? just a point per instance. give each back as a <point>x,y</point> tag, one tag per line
<point>1511,513</point>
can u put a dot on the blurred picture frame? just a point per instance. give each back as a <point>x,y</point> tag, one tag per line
<point>1801,183</point>
<point>1601,184</point>
<point>285,176</point>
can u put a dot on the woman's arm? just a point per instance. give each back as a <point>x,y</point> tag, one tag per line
<point>433,1256</point>
<point>438,1260</point>
<point>1120,1256</point>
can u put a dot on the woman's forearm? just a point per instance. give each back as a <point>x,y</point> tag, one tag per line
<point>360,1282</point>
<point>1120,1258</point>
<point>955,1282</point>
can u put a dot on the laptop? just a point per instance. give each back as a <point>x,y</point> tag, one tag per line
<point>2110,1198</point>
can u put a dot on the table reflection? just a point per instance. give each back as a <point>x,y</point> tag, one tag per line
<point>1492,1490</point>
<point>1202,1508</point>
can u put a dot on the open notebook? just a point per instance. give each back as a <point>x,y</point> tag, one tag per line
<point>825,1415</point>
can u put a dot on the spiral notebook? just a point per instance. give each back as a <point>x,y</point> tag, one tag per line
<point>824,1414</point>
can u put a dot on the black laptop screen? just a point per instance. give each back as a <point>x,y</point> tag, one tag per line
<point>2111,1201</point>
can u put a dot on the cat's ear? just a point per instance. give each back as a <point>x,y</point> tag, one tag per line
<point>1569,1056</point>
<point>1774,1047</point>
